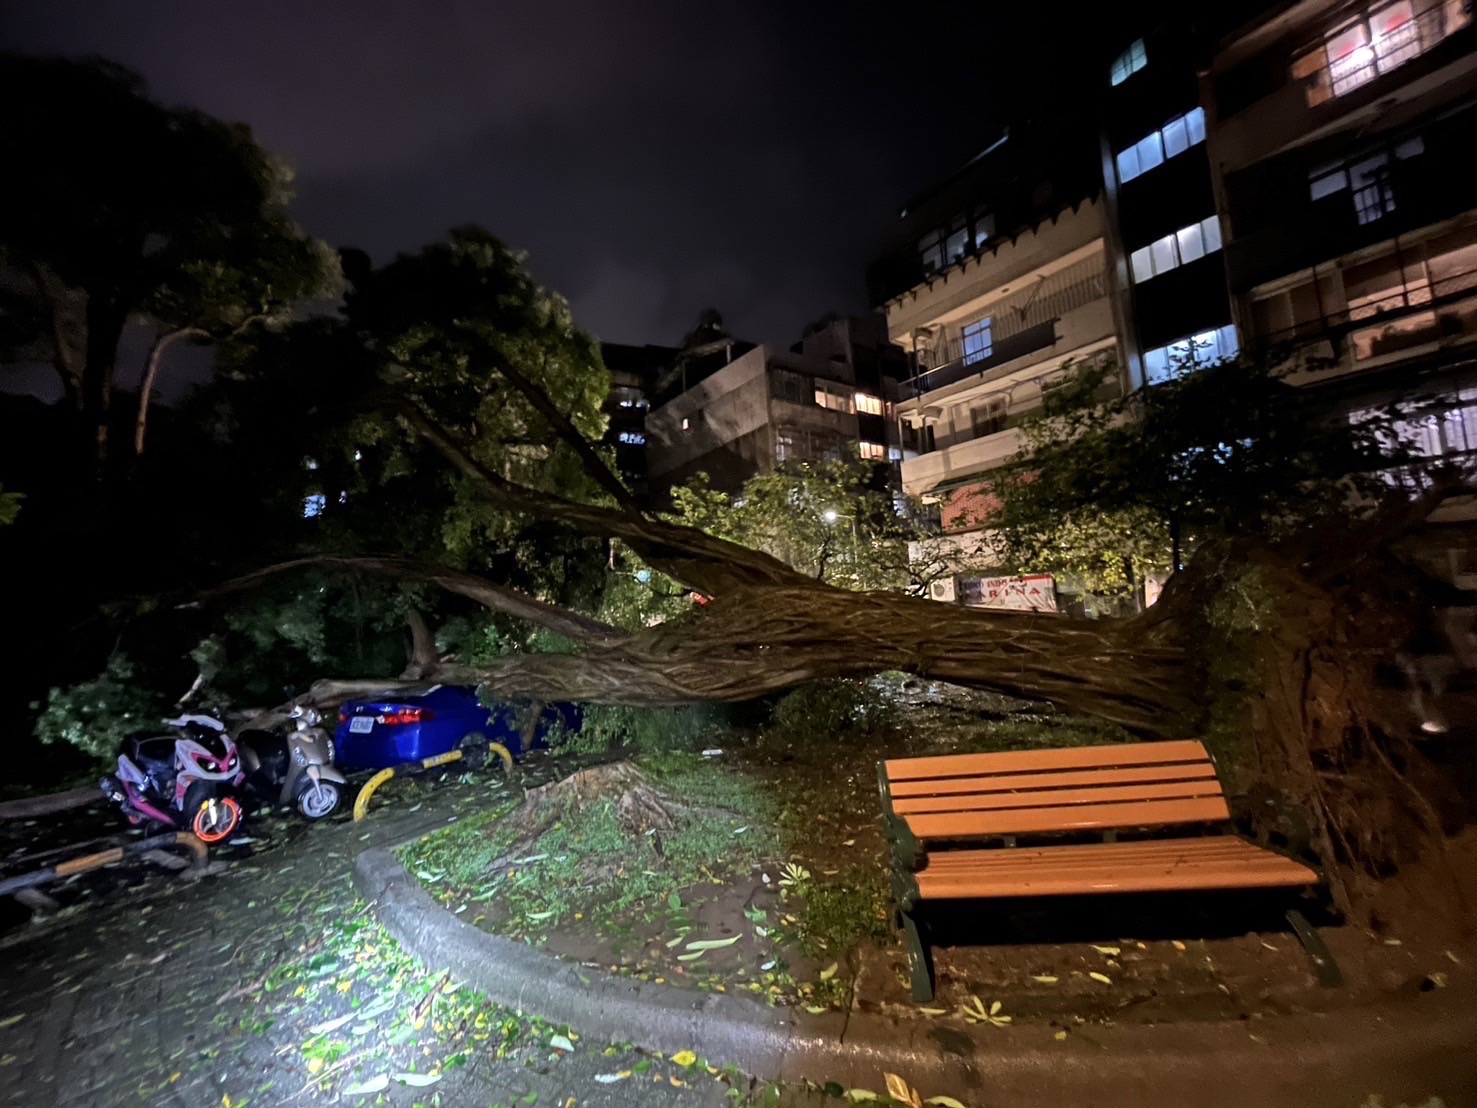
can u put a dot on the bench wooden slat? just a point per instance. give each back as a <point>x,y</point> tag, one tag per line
<point>1004,858</point>
<point>1188,771</point>
<point>1054,798</point>
<point>1028,761</point>
<point>1082,817</point>
<point>1218,862</point>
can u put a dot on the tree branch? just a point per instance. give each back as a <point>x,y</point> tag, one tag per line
<point>498,598</point>
<point>589,457</point>
<point>709,565</point>
<point>162,342</point>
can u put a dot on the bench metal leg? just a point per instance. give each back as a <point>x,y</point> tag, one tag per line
<point>920,959</point>
<point>1329,974</point>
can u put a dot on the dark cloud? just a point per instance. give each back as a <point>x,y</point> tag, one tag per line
<point>652,158</point>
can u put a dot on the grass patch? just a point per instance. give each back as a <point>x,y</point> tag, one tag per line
<point>838,913</point>
<point>587,866</point>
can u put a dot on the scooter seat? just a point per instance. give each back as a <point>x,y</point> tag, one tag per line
<point>151,753</point>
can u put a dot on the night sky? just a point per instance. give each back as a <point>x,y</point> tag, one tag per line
<point>653,158</point>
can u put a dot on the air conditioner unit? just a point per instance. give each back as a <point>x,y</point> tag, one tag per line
<point>942,590</point>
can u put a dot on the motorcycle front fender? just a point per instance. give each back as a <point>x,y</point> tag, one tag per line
<point>325,773</point>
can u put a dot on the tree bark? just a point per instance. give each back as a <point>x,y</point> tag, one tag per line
<point>161,343</point>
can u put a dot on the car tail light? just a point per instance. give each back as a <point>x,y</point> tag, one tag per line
<point>343,715</point>
<point>402,716</point>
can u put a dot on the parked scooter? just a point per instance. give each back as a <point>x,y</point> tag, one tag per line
<point>295,767</point>
<point>184,780</point>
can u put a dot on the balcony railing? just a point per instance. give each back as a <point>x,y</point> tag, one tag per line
<point>955,364</point>
<point>1370,51</point>
<point>1406,317</point>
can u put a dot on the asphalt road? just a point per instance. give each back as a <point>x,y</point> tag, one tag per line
<point>152,990</point>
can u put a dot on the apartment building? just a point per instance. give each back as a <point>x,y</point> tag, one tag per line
<point>1338,136</point>
<point>1166,268</point>
<point>633,372</point>
<point>993,283</point>
<point>732,409</point>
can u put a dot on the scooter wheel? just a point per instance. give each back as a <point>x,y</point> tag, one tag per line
<point>318,801</point>
<point>216,819</point>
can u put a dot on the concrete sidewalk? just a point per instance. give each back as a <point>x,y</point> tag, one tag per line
<point>1404,1050</point>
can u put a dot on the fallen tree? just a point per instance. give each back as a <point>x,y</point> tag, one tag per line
<point>1271,651</point>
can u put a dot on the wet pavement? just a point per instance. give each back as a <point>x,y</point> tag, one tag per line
<point>149,989</point>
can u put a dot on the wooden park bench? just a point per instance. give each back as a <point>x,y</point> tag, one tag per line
<point>955,824</point>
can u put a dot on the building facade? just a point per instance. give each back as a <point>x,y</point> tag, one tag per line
<point>733,409</point>
<point>1338,138</point>
<point>993,284</point>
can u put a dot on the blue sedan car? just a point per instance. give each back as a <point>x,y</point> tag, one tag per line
<point>379,734</point>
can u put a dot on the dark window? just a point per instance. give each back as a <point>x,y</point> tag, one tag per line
<point>931,251</point>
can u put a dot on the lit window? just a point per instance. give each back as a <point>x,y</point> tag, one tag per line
<point>1129,62</point>
<point>686,424</point>
<point>635,438</point>
<point>872,451</point>
<point>1185,245</point>
<point>894,454</point>
<point>1190,353</point>
<point>868,405</point>
<point>784,447</point>
<point>313,505</point>
<point>833,397</point>
<point>1175,137</point>
<point>979,342</point>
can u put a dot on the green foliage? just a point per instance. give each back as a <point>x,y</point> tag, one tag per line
<point>826,711</point>
<point>642,730</point>
<point>97,715</point>
<point>829,520</point>
<point>10,505</point>
<point>1108,487</point>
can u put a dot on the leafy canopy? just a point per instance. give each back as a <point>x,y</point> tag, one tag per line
<point>1226,450</point>
<point>118,209</point>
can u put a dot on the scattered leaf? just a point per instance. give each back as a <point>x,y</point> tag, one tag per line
<point>944,1102</point>
<point>561,1042</point>
<point>712,944</point>
<point>685,1058</point>
<point>858,1095</point>
<point>934,1011</point>
<point>377,1084</point>
<point>612,1078</point>
<point>1178,945</point>
<point>1110,951</point>
<point>897,1088</point>
<point>537,917</point>
<point>1060,1036</point>
<point>1103,977</point>
<point>814,1009</point>
<point>11,1021</point>
<point>1044,979</point>
<point>829,972</point>
<point>331,1025</point>
<point>693,957</point>
<point>418,1080</point>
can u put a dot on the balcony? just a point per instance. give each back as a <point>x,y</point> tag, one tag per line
<point>954,364</point>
